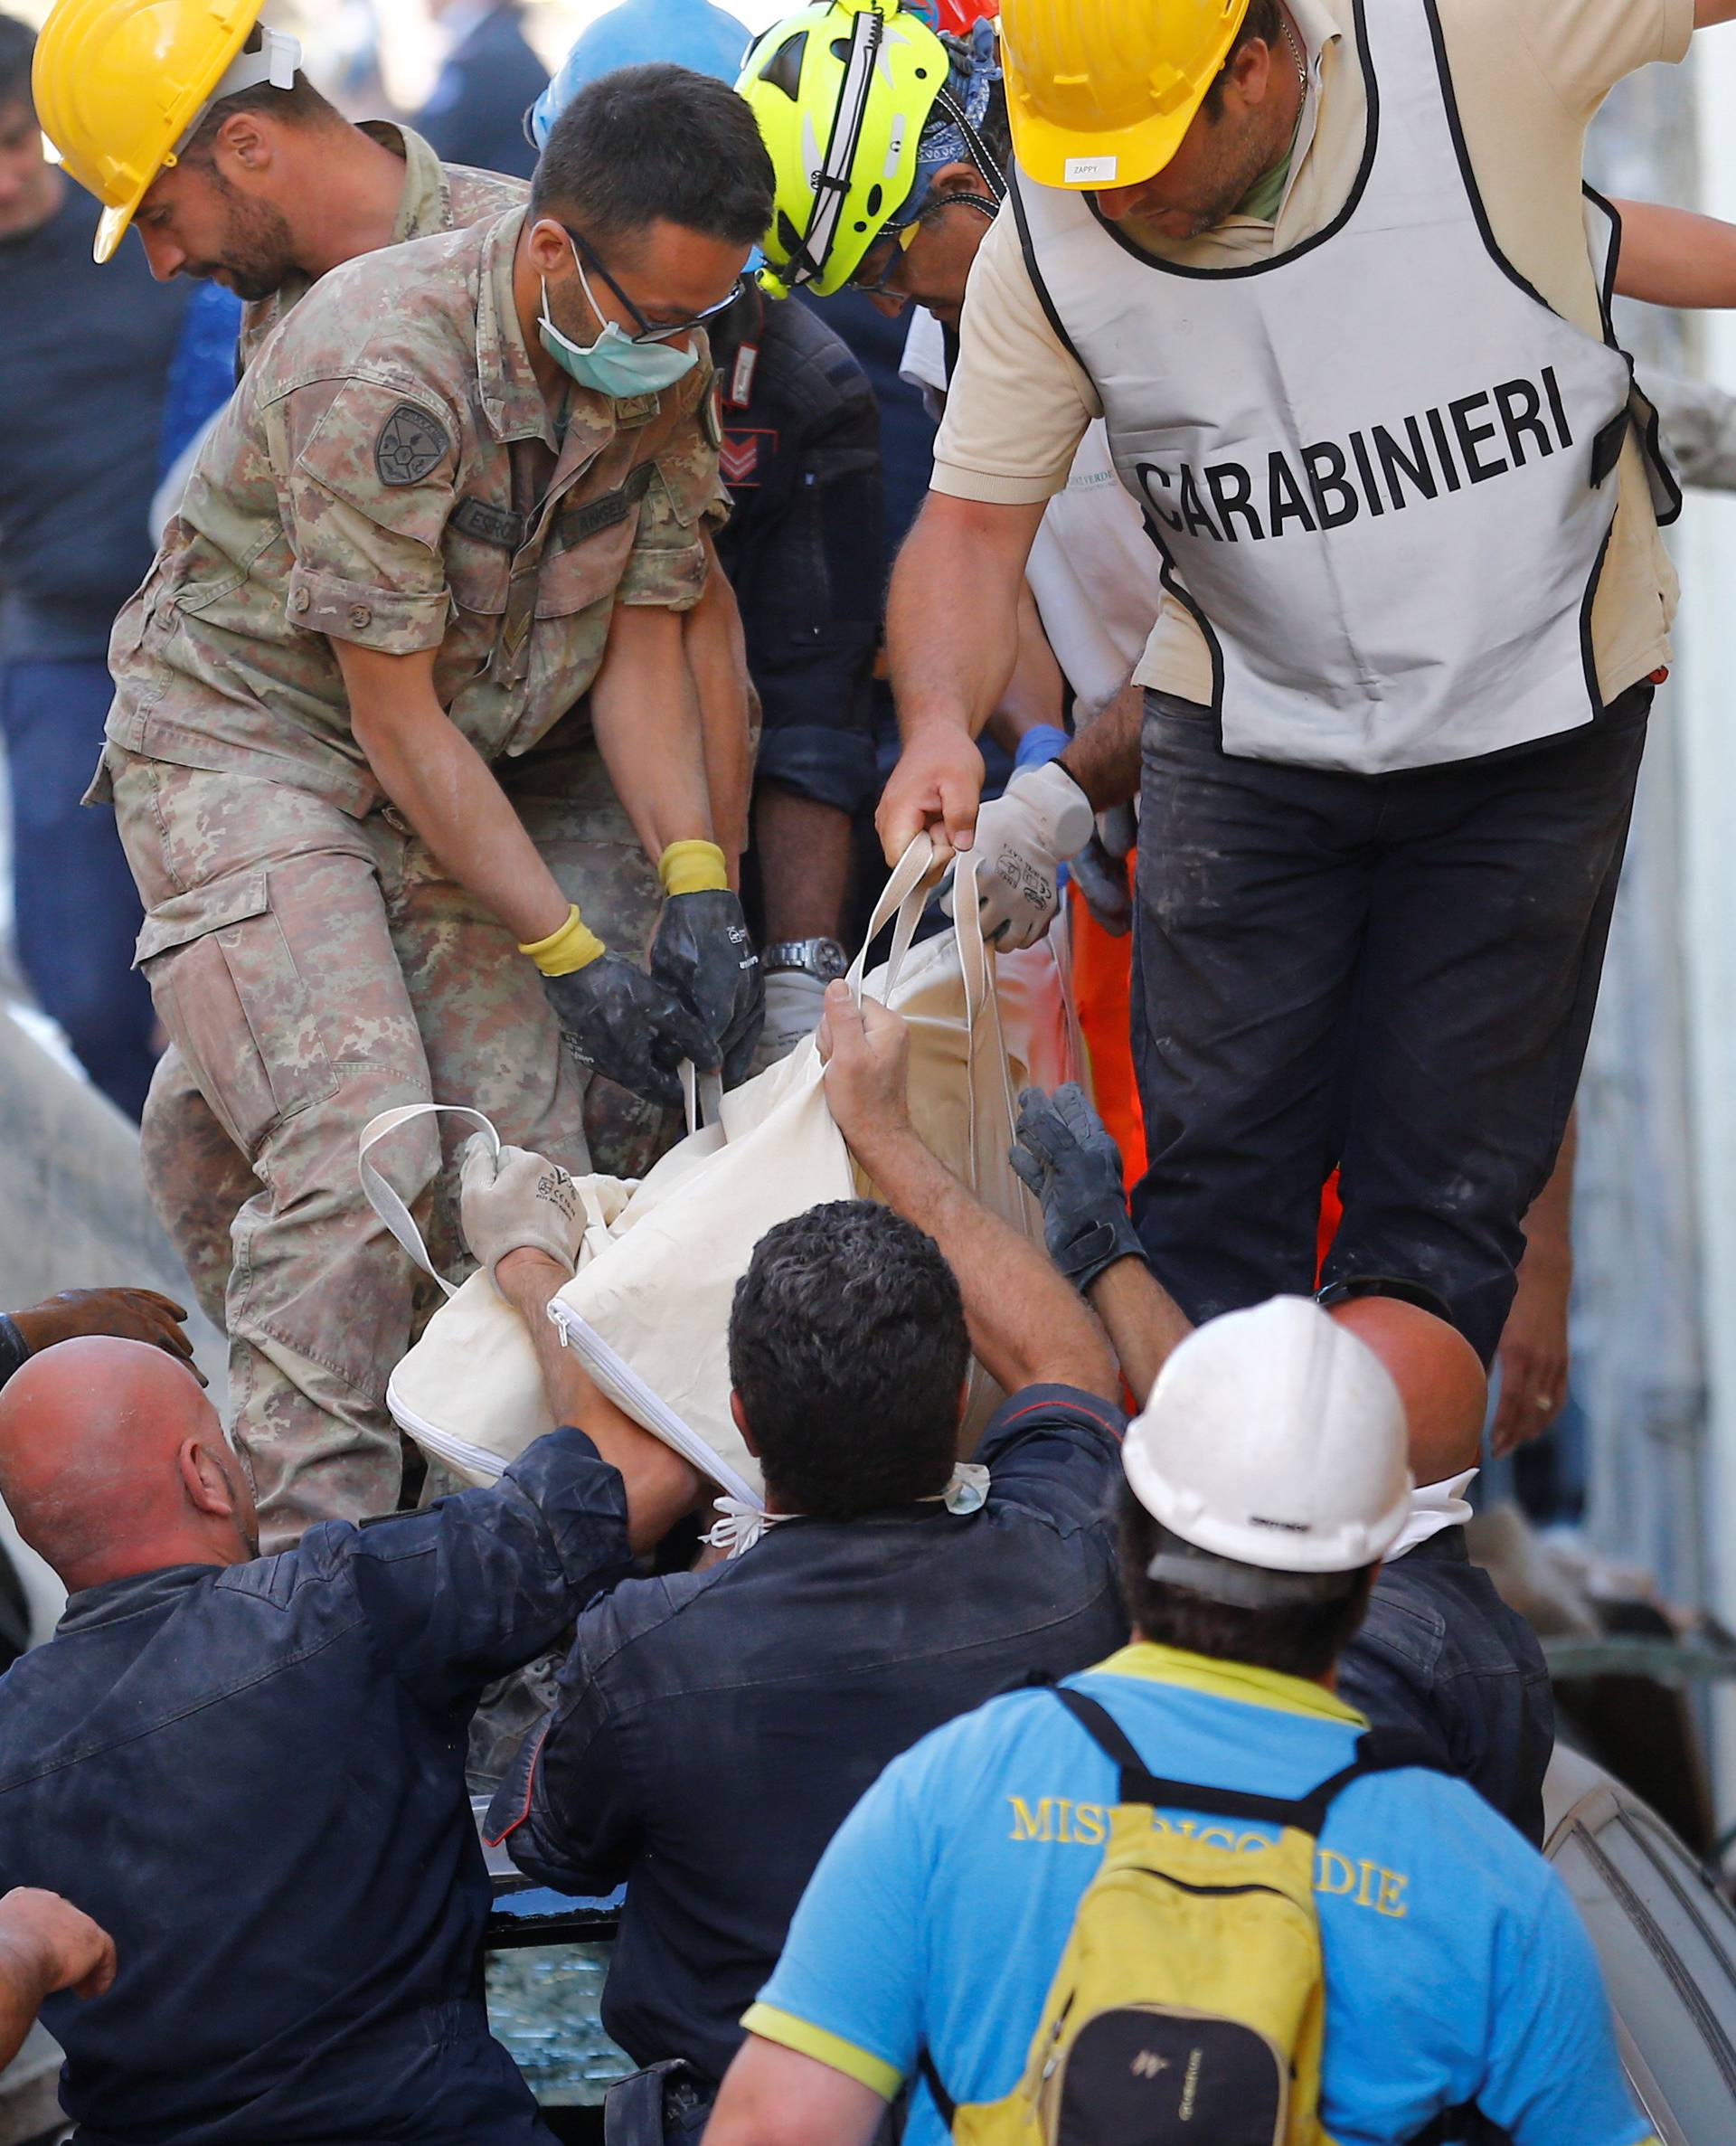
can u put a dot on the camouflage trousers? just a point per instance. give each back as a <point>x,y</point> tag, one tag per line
<point>312,969</point>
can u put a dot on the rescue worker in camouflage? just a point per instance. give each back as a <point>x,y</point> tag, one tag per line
<point>435,513</point>
<point>273,188</point>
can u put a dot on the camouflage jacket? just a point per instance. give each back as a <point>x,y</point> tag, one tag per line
<point>387,474</point>
<point>437,198</point>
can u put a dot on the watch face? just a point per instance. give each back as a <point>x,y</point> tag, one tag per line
<point>821,958</point>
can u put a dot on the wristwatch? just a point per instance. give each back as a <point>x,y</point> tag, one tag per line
<point>822,958</point>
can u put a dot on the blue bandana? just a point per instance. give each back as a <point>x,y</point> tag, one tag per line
<point>976,69</point>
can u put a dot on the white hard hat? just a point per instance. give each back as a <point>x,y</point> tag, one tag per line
<point>1273,1437</point>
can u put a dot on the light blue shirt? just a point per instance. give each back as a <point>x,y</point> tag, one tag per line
<point>1456,1968</point>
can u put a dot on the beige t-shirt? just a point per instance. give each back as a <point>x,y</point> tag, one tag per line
<point>1529,75</point>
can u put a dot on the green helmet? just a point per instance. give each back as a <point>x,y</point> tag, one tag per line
<point>841,94</point>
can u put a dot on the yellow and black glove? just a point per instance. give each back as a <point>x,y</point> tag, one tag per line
<point>616,1020</point>
<point>703,951</point>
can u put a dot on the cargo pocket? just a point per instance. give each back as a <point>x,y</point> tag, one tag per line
<point>228,990</point>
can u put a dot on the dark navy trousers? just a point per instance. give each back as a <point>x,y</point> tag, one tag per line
<point>1391,975</point>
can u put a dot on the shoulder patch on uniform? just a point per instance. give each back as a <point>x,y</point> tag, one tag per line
<point>409,444</point>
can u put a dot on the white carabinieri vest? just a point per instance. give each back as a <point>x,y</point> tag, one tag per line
<point>1380,468</point>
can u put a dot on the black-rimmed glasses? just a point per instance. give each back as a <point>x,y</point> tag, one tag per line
<point>646,331</point>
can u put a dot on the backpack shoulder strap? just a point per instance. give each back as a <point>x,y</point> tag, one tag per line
<point>1378,1750</point>
<point>1139,1786</point>
<point>943,2101</point>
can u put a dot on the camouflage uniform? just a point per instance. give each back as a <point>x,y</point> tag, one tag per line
<point>437,198</point>
<point>199,1179</point>
<point>387,475</point>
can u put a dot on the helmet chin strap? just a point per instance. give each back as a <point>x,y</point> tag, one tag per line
<point>985,204</point>
<point>981,202</point>
<point>978,148</point>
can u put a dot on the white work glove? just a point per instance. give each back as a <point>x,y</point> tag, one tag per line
<point>1023,839</point>
<point>517,1201</point>
<point>794,1004</point>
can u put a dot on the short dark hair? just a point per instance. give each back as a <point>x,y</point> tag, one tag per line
<point>300,105</point>
<point>848,1348</point>
<point>1264,21</point>
<point>17,49</point>
<point>656,141</point>
<point>1299,1638</point>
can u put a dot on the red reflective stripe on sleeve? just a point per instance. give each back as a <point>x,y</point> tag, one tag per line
<point>1045,1408</point>
<point>495,1839</point>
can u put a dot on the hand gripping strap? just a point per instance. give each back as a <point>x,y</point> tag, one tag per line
<point>699,1093</point>
<point>383,1200</point>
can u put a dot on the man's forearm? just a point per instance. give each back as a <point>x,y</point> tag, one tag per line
<point>1026,1323</point>
<point>1104,756</point>
<point>717,659</point>
<point>645,712</point>
<point>660,1485</point>
<point>443,786</point>
<point>952,633</point>
<point>1549,1224</point>
<point>1036,691</point>
<point>952,613</point>
<point>1673,257</point>
<point>25,1979</point>
<point>1145,1324</point>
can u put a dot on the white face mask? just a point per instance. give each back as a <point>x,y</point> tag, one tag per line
<point>613,365</point>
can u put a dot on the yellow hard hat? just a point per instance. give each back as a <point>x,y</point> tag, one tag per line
<point>1099,93</point>
<point>120,86</point>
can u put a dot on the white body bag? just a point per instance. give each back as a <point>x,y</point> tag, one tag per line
<point>648,1311</point>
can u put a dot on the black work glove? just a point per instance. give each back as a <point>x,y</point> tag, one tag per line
<point>703,951</point>
<point>1065,1154</point>
<point>1101,878</point>
<point>628,1025</point>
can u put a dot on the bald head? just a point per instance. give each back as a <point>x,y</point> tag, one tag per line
<point>112,1462</point>
<point>1439,1376</point>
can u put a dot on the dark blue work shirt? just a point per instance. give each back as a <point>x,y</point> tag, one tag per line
<point>801,454</point>
<point>1442,1656</point>
<point>714,1729</point>
<point>254,1778</point>
<point>84,368</point>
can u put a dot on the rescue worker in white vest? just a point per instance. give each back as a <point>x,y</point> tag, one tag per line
<point>1324,270</point>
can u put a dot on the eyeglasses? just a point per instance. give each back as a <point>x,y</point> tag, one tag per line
<point>646,331</point>
<point>881,260</point>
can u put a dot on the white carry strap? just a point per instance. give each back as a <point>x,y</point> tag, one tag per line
<point>1060,945</point>
<point>975,961</point>
<point>701,1096</point>
<point>383,1200</point>
<point>905,897</point>
<point>701,1093</point>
